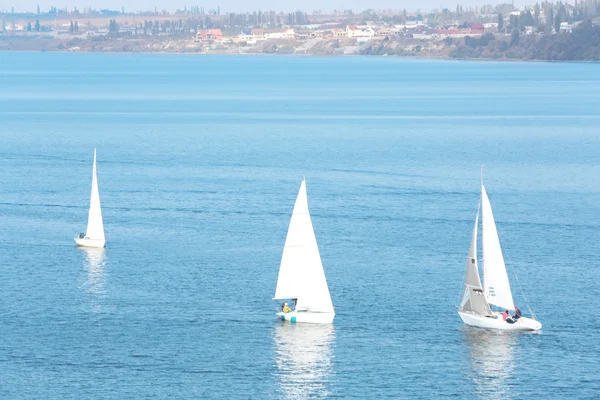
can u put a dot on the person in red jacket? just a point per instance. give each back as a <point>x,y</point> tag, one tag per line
<point>506,317</point>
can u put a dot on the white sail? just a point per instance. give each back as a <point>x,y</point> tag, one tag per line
<point>473,296</point>
<point>95,227</point>
<point>496,285</point>
<point>301,274</point>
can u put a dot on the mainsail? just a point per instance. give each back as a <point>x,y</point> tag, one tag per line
<point>473,298</point>
<point>496,285</point>
<point>301,274</point>
<point>95,227</point>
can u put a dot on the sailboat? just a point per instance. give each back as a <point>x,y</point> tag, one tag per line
<point>301,275</point>
<point>94,235</point>
<point>475,307</point>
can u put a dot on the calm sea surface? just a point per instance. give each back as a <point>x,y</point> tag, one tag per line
<point>199,163</point>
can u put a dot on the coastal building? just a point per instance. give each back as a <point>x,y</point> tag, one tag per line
<point>258,33</point>
<point>477,29</point>
<point>385,31</point>
<point>286,34</point>
<point>289,34</point>
<point>411,25</point>
<point>247,36</point>
<point>425,34</point>
<point>361,34</point>
<point>209,35</point>
<point>301,35</point>
<point>453,32</point>
<point>351,30</point>
<point>14,27</point>
<point>339,33</point>
<point>565,27</point>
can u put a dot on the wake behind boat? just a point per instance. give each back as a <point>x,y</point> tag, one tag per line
<point>301,275</point>
<point>94,235</point>
<point>475,307</point>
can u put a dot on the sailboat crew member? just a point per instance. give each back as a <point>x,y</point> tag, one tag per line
<point>285,308</point>
<point>506,317</point>
<point>517,313</point>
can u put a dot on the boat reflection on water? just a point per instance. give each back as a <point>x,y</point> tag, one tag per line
<point>304,359</point>
<point>94,263</point>
<point>492,355</point>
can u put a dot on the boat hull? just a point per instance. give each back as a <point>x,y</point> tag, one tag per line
<point>307,317</point>
<point>87,242</point>
<point>522,324</point>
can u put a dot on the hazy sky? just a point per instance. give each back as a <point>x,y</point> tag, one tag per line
<point>239,5</point>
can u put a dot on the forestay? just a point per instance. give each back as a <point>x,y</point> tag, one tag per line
<point>301,274</point>
<point>496,285</point>
<point>95,227</point>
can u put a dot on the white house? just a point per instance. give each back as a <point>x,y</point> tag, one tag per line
<point>287,34</point>
<point>361,34</point>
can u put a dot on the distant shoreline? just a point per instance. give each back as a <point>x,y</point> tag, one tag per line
<point>408,57</point>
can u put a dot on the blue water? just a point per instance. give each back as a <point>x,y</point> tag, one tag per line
<point>199,162</point>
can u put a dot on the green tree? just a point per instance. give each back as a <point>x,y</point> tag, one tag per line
<point>557,23</point>
<point>113,27</point>
<point>514,22</point>
<point>526,19</point>
<point>500,22</point>
<point>37,25</point>
<point>549,21</point>
<point>536,12</point>
<point>71,27</point>
<point>514,39</point>
<point>28,26</point>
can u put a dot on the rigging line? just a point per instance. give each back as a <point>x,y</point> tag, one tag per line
<point>523,293</point>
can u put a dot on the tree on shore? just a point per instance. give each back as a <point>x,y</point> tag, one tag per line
<point>557,23</point>
<point>113,27</point>
<point>500,22</point>
<point>28,26</point>
<point>526,19</point>
<point>582,44</point>
<point>514,39</point>
<point>549,21</point>
<point>37,25</point>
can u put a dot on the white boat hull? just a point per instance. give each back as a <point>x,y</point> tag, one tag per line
<point>522,324</point>
<point>307,316</point>
<point>87,242</point>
